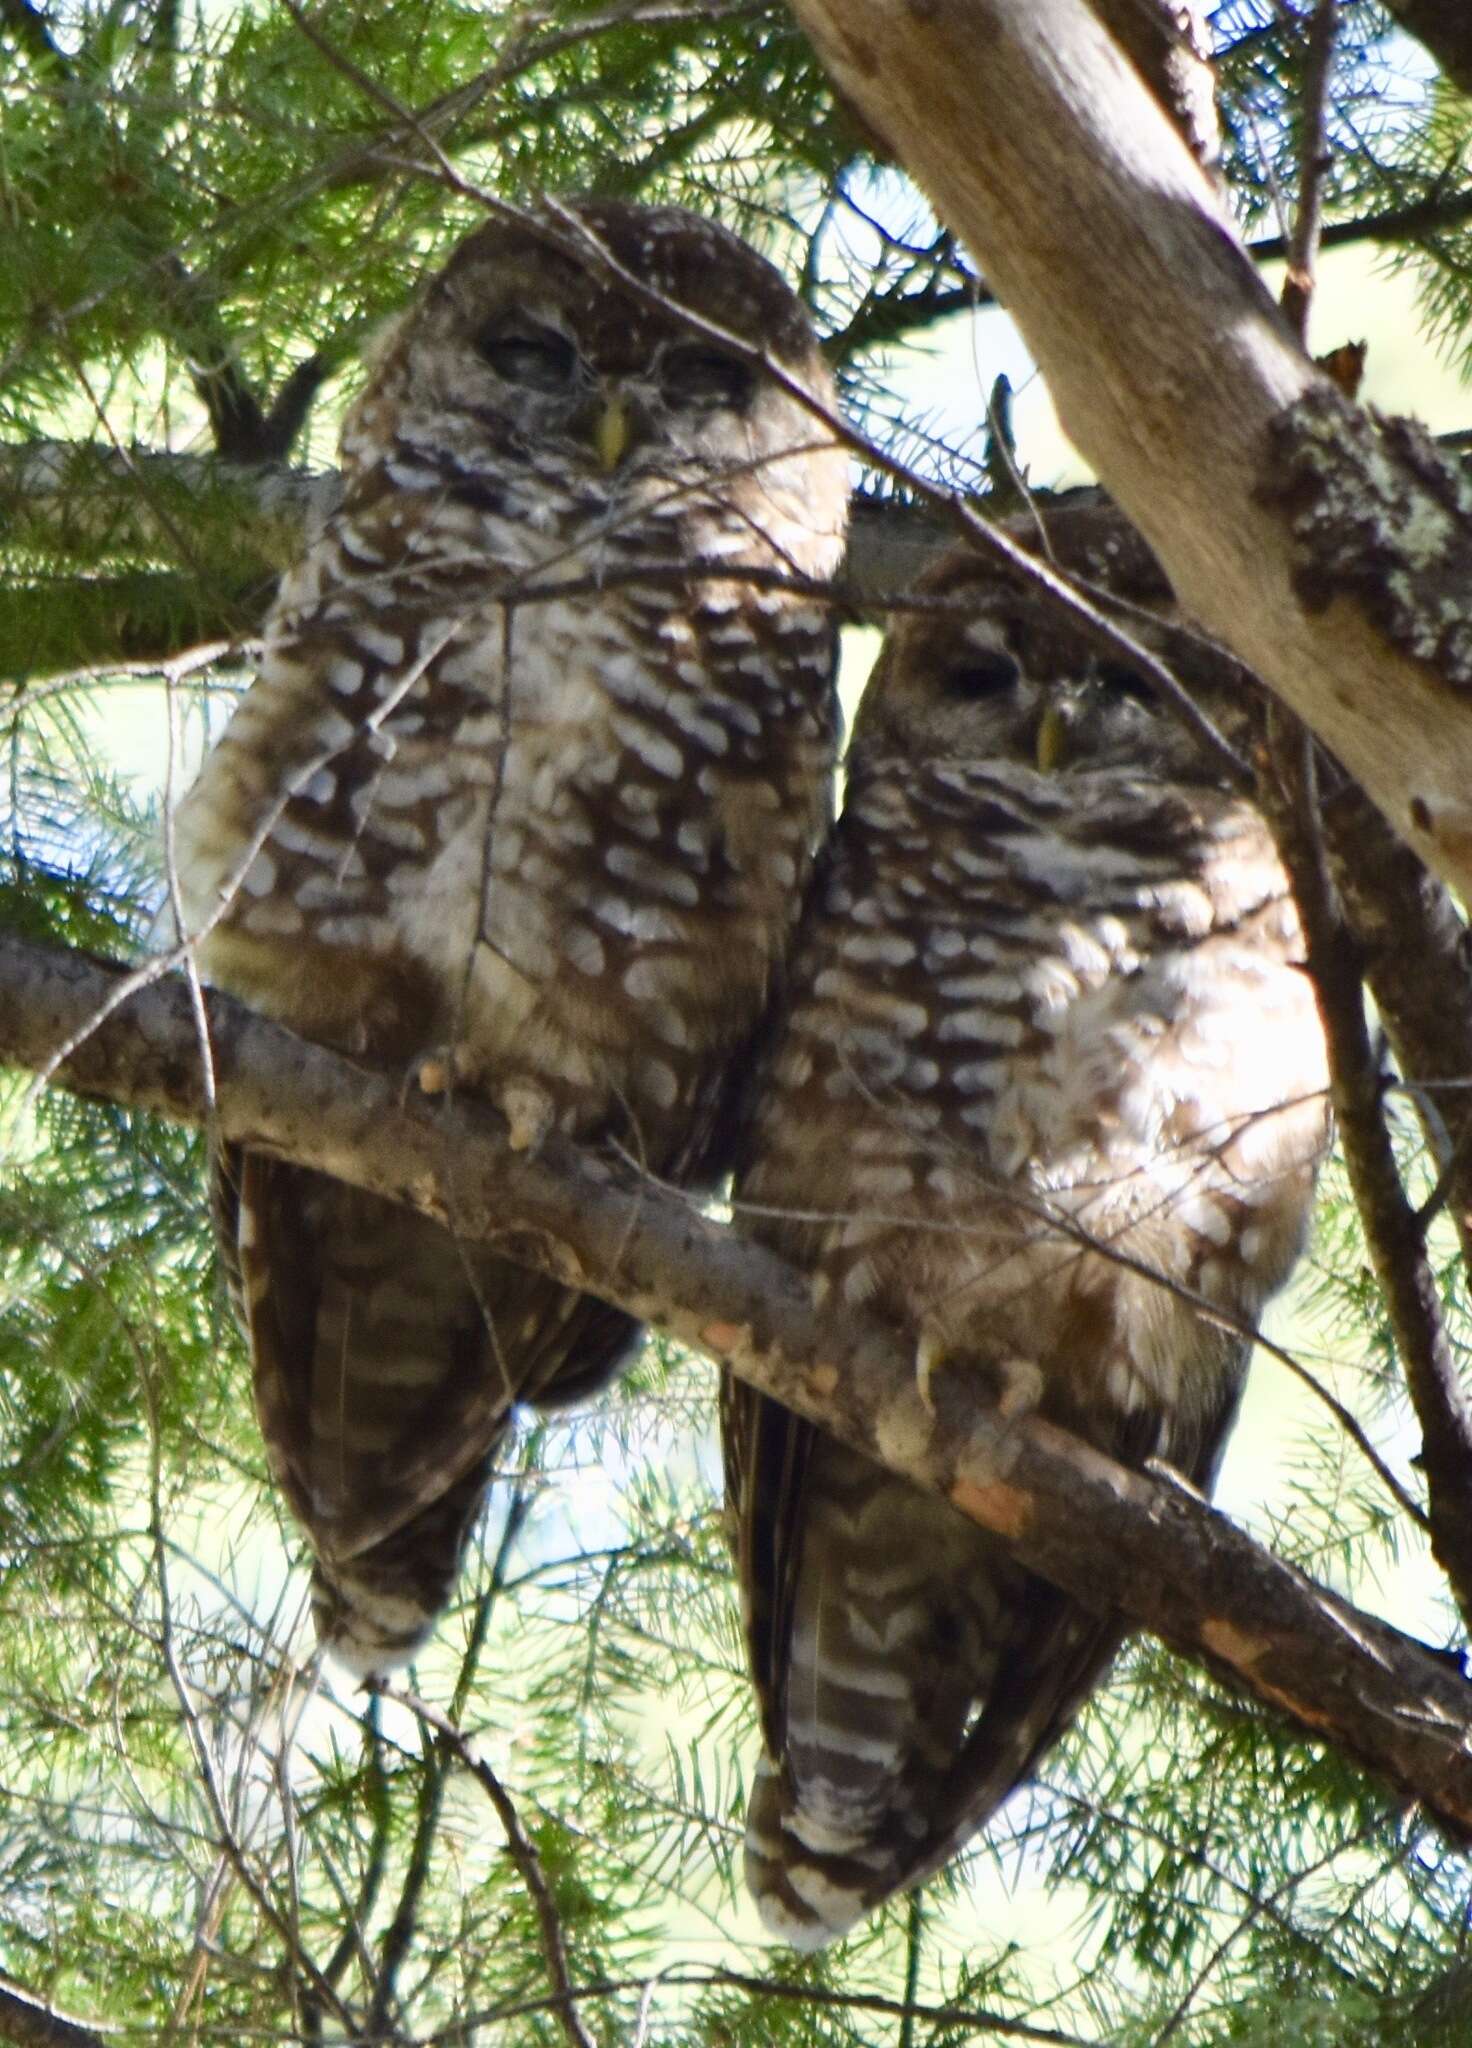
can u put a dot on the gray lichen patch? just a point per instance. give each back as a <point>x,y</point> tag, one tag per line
<point>1379,514</point>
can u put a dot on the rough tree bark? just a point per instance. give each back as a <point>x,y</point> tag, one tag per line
<point>1108,1535</point>
<point>1174,373</point>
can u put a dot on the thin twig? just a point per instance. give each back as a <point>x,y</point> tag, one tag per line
<point>524,1855</point>
<point>975,2021</point>
<point>1314,161</point>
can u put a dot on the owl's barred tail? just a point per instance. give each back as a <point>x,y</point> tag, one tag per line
<point>807,1895</point>
<point>387,1357</point>
<point>895,1629</point>
<point>926,1675</point>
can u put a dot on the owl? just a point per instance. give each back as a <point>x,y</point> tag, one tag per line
<point>1048,1089</point>
<point>522,802</point>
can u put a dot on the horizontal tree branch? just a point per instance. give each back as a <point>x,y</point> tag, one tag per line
<point>1109,1536</point>
<point>88,504</point>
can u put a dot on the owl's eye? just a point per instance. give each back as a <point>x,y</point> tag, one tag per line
<point>537,357</point>
<point>705,376</point>
<point>981,676</point>
<point>1122,681</point>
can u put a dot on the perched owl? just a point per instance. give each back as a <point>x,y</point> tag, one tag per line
<point>524,798</point>
<point>1045,1014</point>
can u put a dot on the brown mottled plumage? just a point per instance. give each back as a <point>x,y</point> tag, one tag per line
<point>1037,1016</point>
<point>552,845</point>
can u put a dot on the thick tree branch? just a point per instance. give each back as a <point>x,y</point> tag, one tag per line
<point>1105,1534</point>
<point>30,2025</point>
<point>1042,147</point>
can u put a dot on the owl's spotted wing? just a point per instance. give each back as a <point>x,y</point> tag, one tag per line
<point>387,1356</point>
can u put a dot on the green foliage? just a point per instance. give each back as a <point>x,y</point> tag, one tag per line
<point>203,1833</point>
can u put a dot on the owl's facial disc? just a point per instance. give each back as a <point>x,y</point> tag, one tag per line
<point>598,399</point>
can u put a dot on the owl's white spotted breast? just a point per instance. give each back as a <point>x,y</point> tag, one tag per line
<point>539,829</point>
<point>1018,1013</point>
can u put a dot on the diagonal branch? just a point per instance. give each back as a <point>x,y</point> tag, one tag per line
<point>1105,1534</point>
<point>1418,967</point>
<point>30,2025</point>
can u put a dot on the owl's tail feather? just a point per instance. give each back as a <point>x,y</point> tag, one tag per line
<point>376,1610</point>
<point>927,1674</point>
<point>387,1358</point>
<point>807,1896</point>
<point>891,1637</point>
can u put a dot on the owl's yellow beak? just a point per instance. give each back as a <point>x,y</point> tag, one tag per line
<point>1052,732</point>
<point>614,430</point>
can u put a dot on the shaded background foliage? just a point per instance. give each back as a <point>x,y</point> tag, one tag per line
<point>203,213</point>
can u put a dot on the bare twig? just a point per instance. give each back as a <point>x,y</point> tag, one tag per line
<point>523,1851</point>
<point>978,2021</point>
<point>1314,161</point>
<point>398,1939</point>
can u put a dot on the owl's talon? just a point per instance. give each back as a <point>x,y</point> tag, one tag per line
<point>528,1111</point>
<point>1019,1387</point>
<point>433,1075</point>
<point>930,1354</point>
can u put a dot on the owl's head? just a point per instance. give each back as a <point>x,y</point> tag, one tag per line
<point>527,352</point>
<point>1001,670</point>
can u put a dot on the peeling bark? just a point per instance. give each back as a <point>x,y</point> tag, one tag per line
<point>1379,515</point>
